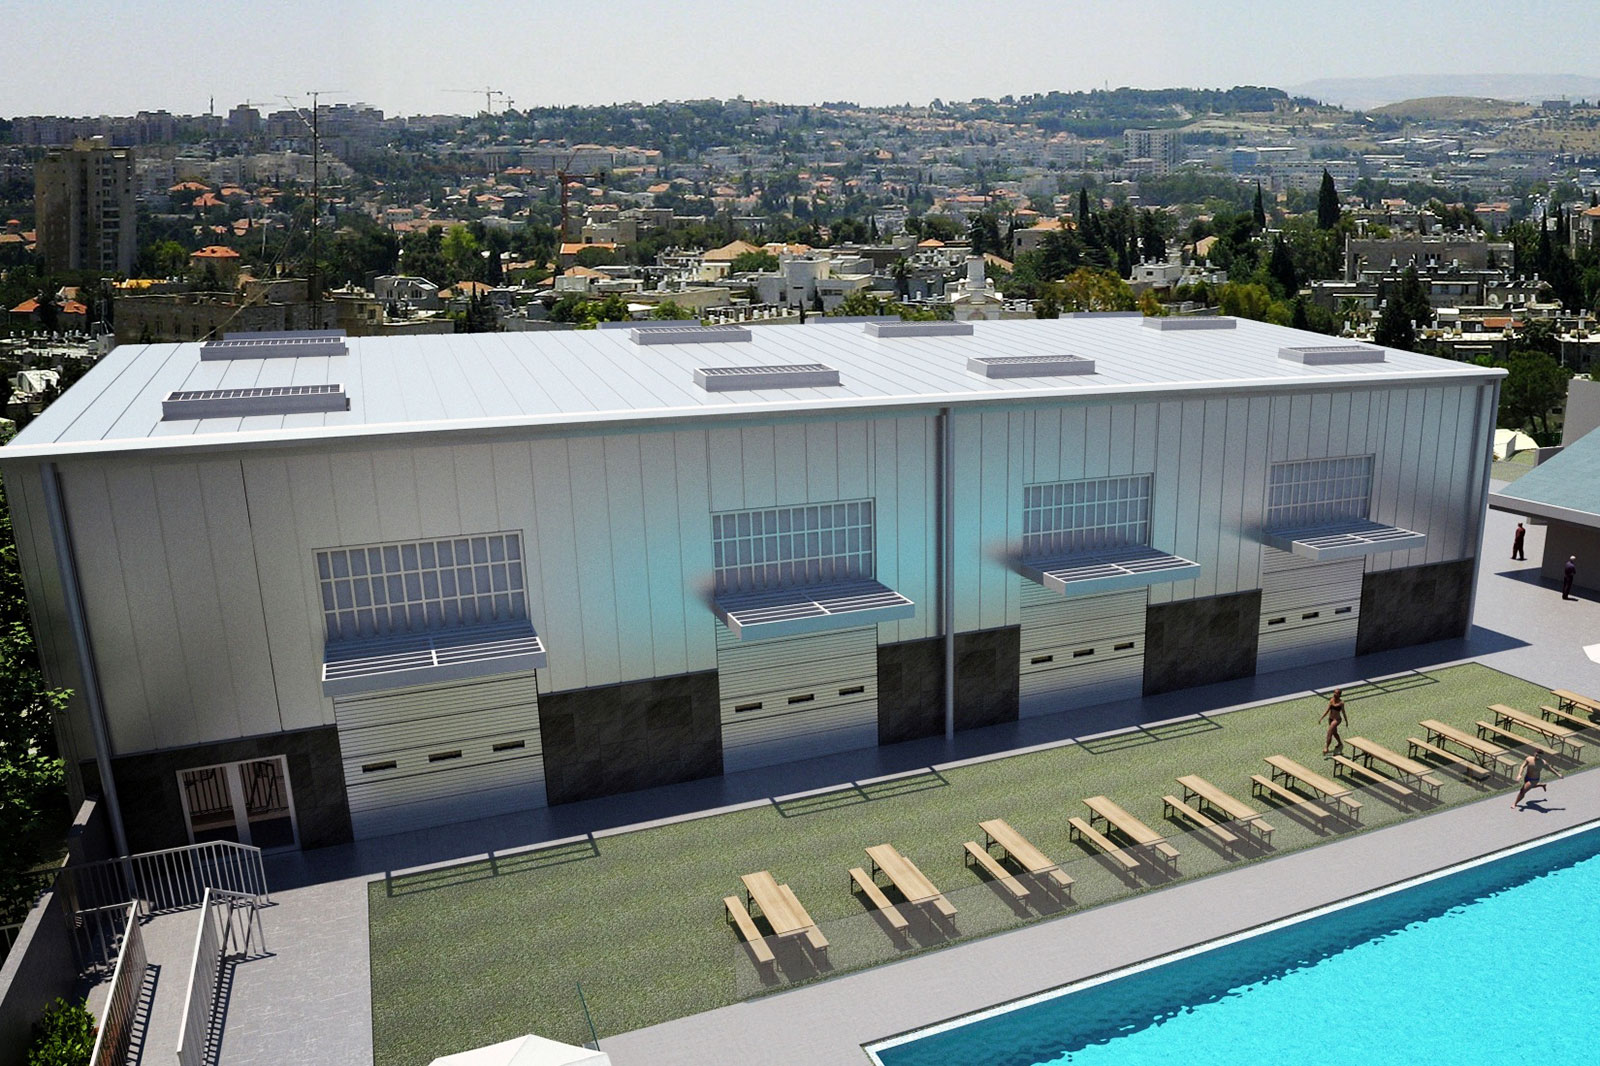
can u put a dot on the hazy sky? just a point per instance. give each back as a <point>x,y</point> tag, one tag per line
<point>103,57</point>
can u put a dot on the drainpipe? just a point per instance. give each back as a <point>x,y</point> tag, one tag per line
<point>1485,456</point>
<point>72,593</point>
<point>947,565</point>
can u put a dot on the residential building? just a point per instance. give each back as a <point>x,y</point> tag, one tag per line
<point>84,197</point>
<point>443,578</point>
<point>1164,148</point>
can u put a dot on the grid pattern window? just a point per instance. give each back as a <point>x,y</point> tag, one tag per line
<point>1314,492</point>
<point>422,586</point>
<point>787,547</point>
<point>1065,517</point>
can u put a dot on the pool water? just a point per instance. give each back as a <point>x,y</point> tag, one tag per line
<point>1497,963</point>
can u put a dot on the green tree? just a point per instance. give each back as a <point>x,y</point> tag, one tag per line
<point>1395,328</point>
<point>1093,289</point>
<point>749,262</point>
<point>1328,211</point>
<point>1280,268</point>
<point>1535,388</point>
<point>668,310</point>
<point>462,255</point>
<point>1246,300</point>
<point>1413,298</point>
<point>596,256</point>
<point>1259,211</point>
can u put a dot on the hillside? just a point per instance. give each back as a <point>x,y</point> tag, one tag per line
<point>1452,108</point>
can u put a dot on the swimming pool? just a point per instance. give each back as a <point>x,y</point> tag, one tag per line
<point>1492,963</point>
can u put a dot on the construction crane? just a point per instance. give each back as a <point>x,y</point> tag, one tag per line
<point>488,97</point>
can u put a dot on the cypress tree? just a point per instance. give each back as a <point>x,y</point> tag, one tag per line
<point>1260,210</point>
<point>1327,203</point>
<point>1083,206</point>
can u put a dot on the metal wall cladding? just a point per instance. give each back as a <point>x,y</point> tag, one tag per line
<point>796,697</point>
<point>1310,612</point>
<point>441,754</point>
<point>1078,651</point>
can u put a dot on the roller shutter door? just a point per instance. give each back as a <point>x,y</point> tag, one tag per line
<point>440,754</point>
<point>797,697</point>
<point>1309,611</point>
<point>1078,651</point>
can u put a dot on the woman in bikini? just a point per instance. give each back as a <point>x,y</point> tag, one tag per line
<point>1336,716</point>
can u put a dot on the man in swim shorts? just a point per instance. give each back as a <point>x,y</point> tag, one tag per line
<point>1533,768</point>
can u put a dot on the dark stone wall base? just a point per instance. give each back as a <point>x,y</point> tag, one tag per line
<point>152,807</point>
<point>910,690</point>
<point>620,738</point>
<point>1414,605</point>
<point>1200,642</point>
<point>911,683</point>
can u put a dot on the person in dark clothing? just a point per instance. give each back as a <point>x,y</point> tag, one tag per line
<point>1566,577</point>
<point>1516,542</point>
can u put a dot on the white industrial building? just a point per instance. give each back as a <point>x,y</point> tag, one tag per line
<point>308,587</point>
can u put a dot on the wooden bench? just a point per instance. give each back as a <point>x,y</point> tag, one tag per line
<point>1454,761</point>
<point>997,832</point>
<point>976,852</point>
<point>1332,796</point>
<point>740,919</point>
<point>1558,735</point>
<point>1175,808</point>
<point>869,888</point>
<point>1378,781</point>
<point>1577,721</point>
<point>1082,830</point>
<point>1146,842</point>
<point>1199,791</point>
<point>1309,807</point>
<point>1490,756</point>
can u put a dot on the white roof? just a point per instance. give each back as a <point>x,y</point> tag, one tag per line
<point>421,384</point>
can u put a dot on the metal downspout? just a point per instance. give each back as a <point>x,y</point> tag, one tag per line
<point>1486,457</point>
<point>72,593</point>
<point>947,566</point>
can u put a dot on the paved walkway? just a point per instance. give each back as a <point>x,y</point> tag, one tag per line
<point>169,950</point>
<point>318,930</point>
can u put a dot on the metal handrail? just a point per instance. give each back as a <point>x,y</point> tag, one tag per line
<point>217,938</point>
<point>127,985</point>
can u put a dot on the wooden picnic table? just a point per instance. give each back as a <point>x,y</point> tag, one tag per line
<point>1558,735</point>
<point>904,875</point>
<point>1511,738</point>
<point>1416,773</point>
<point>1196,787</point>
<point>1571,701</point>
<point>1286,769</point>
<point>1486,752</point>
<point>1103,809</point>
<point>779,907</point>
<point>1033,860</point>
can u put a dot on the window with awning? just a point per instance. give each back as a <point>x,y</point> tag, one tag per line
<point>1093,536</point>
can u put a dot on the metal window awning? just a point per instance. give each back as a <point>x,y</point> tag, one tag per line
<point>811,609</point>
<point>1108,570</point>
<point>378,663</point>
<point>1343,540</point>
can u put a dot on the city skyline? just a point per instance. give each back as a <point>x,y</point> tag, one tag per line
<point>406,60</point>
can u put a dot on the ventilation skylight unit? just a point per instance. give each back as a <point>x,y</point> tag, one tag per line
<point>749,378</point>
<point>1169,323</point>
<point>918,329</point>
<point>235,403</point>
<point>1029,366</point>
<point>279,346</point>
<point>688,334</point>
<point>1332,354</point>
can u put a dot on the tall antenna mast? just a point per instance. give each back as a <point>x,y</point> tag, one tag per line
<point>314,280</point>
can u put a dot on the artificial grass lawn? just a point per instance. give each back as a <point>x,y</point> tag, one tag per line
<point>473,955</point>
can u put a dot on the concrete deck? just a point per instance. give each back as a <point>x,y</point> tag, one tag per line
<point>310,1001</point>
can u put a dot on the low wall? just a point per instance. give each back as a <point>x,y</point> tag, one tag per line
<point>40,968</point>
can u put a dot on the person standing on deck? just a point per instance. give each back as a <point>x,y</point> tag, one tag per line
<point>1567,577</point>
<point>1516,543</point>
<point>1336,716</point>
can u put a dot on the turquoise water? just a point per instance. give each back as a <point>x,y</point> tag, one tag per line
<point>1497,963</point>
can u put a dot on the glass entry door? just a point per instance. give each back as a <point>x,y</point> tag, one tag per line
<point>245,802</point>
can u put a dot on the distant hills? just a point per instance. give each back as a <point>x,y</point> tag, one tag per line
<point>1366,93</point>
<point>1452,109</point>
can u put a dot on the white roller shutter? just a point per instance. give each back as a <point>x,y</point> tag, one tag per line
<point>796,697</point>
<point>1309,611</point>
<point>1078,651</point>
<point>444,753</point>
